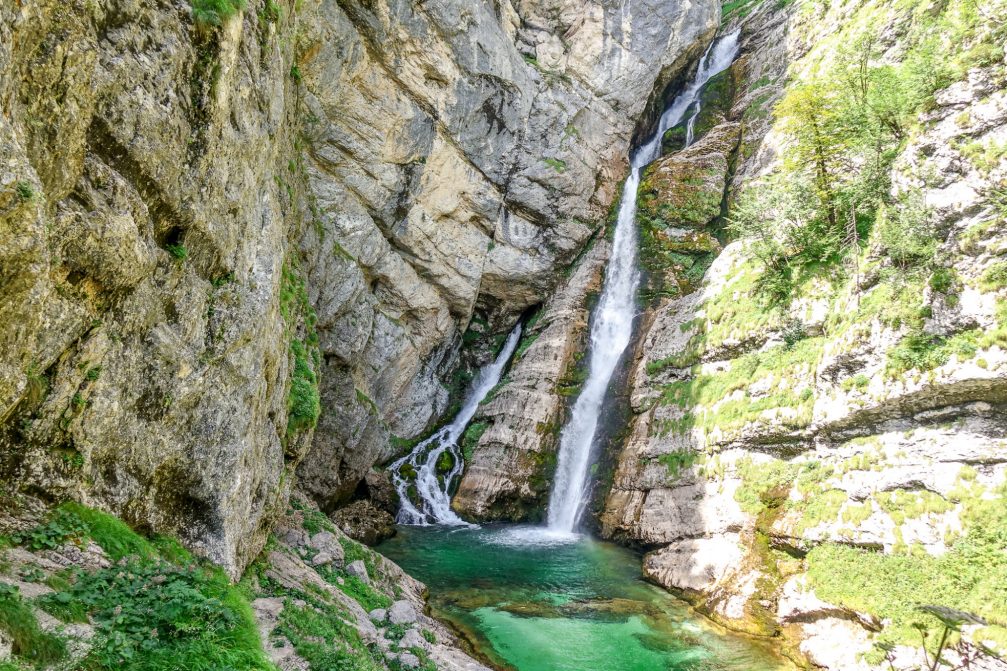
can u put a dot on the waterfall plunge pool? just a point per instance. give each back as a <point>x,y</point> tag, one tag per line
<point>531,600</point>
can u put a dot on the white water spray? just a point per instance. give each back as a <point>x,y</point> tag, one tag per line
<point>612,326</point>
<point>434,506</point>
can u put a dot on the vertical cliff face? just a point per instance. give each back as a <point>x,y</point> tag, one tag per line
<point>459,157</point>
<point>227,246</point>
<point>143,231</point>
<point>814,465</point>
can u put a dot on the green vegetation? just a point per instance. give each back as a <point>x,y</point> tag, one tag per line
<point>25,191</point>
<point>971,576</point>
<point>678,461</point>
<point>323,638</point>
<point>303,398</point>
<point>179,252</point>
<point>994,277</point>
<point>215,12</point>
<point>303,401</point>
<point>856,109</point>
<point>19,625</point>
<point>782,371</point>
<point>557,164</point>
<point>156,609</point>
<point>470,439</point>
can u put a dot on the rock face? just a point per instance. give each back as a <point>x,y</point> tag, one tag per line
<point>511,445</point>
<point>764,439</point>
<point>223,245</point>
<point>460,156</point>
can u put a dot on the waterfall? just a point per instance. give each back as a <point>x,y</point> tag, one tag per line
<point>435,500</point>
<point>612,324</point>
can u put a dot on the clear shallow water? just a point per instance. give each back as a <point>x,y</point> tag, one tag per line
<point>537,601</point>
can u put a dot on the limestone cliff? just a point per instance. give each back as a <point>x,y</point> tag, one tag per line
<point>230,242</point>
<point>787,455</point>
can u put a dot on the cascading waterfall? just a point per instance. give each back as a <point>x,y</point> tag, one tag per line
<point>434,493</point>
<point>612,327</point>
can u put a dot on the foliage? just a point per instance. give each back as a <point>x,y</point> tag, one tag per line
<point>994,277</point>
<point>215,12</point>
<point>25,191</point>
<point>678,460</point>
<point>322,638</point>
<point>151,614</point>
<point>355,588</point>
<point>61,526</point>
<point>21,628</point>
<point>304,404</point>
<point>112,534</point>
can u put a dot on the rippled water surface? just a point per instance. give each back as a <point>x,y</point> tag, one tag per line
<point>534,601</point>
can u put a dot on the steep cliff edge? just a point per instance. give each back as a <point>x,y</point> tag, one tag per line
<point>228,242</point>
<point>817,443</point>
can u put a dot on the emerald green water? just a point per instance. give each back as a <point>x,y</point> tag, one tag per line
<point>533,602</point>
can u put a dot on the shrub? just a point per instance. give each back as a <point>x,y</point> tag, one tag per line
<point>994,277</point>
<point>215,12</point>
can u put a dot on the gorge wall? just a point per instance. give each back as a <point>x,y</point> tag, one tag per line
<point>238,253</point>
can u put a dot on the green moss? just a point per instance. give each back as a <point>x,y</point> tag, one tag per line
<point>179,252</point>
<point>470,439</point>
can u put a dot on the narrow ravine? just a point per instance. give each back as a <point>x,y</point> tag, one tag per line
<point>612,324</point>
<point>535,598</point>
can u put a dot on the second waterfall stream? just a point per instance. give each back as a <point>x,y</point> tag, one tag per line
<point>612,324</point>
<point>433,488</point>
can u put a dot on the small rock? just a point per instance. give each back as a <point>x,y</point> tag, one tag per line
<point>378,615</point>
<point>402,612</point>
<point>292,536</point>
<point>321,558</point>
<point>358,569</point>
<point>413,639</point>
<point>327,543</point>
<point>409,660</point>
